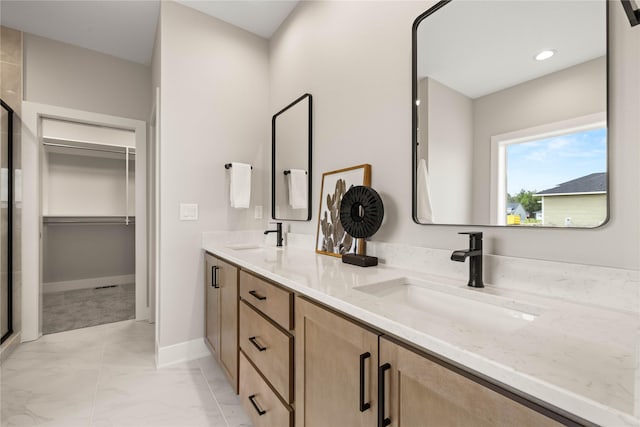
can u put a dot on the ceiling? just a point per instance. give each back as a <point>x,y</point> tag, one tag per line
<point>479,48</point>
<point>127,28</point>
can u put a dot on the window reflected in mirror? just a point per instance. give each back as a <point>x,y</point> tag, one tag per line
<point>510,114</point>
<point>557,181</point>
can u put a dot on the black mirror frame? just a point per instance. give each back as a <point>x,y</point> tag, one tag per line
<point>414,105</point>
<point>273,157</point>
<point>414,116</point>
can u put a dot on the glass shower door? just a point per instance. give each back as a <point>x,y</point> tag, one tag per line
<point>6,309</point>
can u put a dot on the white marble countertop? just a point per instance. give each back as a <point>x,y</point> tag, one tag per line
<point>579,358</point>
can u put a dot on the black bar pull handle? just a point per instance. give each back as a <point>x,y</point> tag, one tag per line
<point>261,412</point>
<point>214,276</point>
<point>382,421</point>
<point>255,295</point>
<point>363,405</point>
<point>255,343</point>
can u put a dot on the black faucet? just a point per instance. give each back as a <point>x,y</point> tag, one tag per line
<point>278,232</point>
<point>474,253</point>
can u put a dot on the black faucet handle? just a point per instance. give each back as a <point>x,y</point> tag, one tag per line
<point>474,234</point>
<point>475,239</point>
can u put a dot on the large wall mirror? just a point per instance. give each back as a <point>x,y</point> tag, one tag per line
<point>291,161</point>
<point>510,114</point>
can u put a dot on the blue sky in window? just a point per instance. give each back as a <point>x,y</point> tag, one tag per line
<point>543,164</point>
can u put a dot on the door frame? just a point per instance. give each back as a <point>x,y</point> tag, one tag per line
<point>32,114</point>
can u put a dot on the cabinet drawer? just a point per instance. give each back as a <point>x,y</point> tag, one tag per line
<point>273,301</point>
<point>260,402</point>
<point>269,349</point>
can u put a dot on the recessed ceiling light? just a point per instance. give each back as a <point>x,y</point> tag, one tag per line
<point>545,54</point>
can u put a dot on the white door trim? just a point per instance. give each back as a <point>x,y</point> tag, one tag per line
<point>32,212</point>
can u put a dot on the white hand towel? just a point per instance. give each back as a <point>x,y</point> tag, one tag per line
<point>424,211</point>
<point>240,185</point>
<point>298,196</point>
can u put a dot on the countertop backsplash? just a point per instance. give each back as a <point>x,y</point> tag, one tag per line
<point>612,288</point>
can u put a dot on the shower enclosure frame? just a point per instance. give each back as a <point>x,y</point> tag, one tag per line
<point>9,222</point>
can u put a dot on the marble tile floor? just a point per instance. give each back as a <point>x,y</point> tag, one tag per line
<point>81,308</point>
<point>105,376</point>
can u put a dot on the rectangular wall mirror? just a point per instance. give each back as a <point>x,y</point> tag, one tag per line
<point>510,114</point>
<point>291,130</point>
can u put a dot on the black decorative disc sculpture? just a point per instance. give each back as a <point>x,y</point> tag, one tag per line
<point>361,214</point>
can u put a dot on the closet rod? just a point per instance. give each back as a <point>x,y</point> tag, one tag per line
<point>131,222</point>
<point>51,144</point>
<point>85,220</point>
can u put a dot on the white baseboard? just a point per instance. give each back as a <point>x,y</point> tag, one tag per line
<point>182,352</point>
<point>94,282</point>
<point>9,346</point>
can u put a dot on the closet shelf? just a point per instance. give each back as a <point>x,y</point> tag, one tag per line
<point>96,220</point>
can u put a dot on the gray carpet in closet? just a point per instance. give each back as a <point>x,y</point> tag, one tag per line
<point>63,311</point>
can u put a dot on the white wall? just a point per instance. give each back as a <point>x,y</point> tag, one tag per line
<point>359,73</point>
<point>214,94</point>
<point>573,92</point>
<point>85,185</point>
<point>60,74</point>
<point>450,158</point>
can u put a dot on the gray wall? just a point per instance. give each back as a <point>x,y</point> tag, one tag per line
<point>75,252</point>
<point>214,94</point>
<point>60,74</point>
<point>450,159</point>
<point>360,76</point>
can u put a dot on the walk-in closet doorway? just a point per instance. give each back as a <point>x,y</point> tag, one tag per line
<point>87,200</point>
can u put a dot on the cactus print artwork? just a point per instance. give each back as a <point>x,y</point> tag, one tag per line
<point>332,239</point>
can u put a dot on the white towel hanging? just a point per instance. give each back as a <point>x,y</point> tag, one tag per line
<point>240,185</point>
<point>423,196</point>
<point>298,196</point>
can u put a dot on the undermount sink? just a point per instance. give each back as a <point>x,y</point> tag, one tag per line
<point>243,246</point>
<point>466,306</point>
<point>248,246</point>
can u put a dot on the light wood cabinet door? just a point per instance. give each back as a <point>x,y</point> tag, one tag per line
<point>269,348</point>
<point>212,312</point>
<point>329,350</point>
<point>221,314</point>
<point>421,392</point>
<point>258,399</point>
<point>271,300</point>
<point>228,354</point>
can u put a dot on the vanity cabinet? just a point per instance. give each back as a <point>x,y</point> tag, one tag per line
<point>266,351</point>
<point>221,314</point>
<point>347,374</point>
<point>336,365</point>
<point>420,390</point>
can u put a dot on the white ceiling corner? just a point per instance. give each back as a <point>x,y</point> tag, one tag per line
<point>261,17</point>
<point>127,28</point>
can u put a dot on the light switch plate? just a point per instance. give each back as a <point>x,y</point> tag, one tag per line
<point>257,213</point>
<point>188,211</point>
